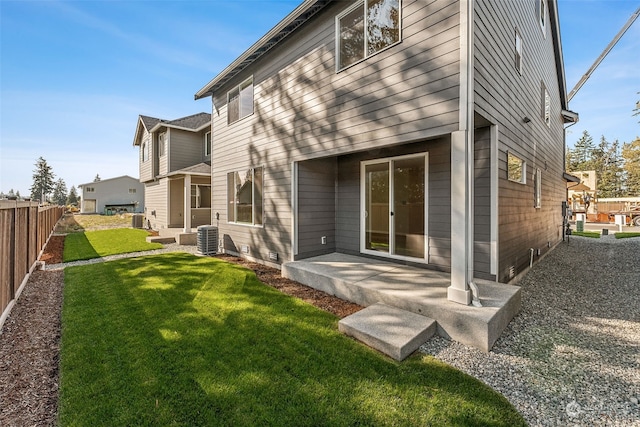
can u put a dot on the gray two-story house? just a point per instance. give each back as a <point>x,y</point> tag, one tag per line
<point>175,168</point>
<point>428,133</point>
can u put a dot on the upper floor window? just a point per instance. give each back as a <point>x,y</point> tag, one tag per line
<point>516,168</point>
<point>207,144</point>
<point>518,53</point>
<point>240,101</point>
<point>546,106</point>
<point>244,196</point>
<point>145,151</point>
<point>542,14</point>
<point>162,142</point>
<point>366,28</point>
<point>132,191</point>
<point>90,189</point>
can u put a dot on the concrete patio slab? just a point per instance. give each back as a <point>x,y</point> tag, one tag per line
<point>367,281</point>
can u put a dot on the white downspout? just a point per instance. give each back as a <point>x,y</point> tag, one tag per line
<point>187,203</point>
<point>462,158</point>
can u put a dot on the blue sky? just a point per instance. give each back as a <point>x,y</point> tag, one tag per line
<point>74,76</point>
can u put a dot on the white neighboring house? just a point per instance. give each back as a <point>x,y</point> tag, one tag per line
<point>119,194</point>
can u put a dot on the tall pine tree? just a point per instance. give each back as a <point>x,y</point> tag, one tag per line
<point>631,155</point>
<point>60,192</point>
<point>42,181</point>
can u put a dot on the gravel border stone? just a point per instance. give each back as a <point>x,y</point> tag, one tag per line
<point>572,355</point>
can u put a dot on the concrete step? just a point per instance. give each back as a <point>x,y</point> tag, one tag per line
<point>161,239</point>
<point>392,331</point>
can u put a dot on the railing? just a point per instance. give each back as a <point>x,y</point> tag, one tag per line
<point>25,228</point>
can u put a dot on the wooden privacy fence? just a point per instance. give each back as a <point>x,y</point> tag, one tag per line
<point>25,228</point>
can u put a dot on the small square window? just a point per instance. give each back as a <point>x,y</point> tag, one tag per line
<point>518,52</point>
<point>516,169</point>
<point>132,191</point>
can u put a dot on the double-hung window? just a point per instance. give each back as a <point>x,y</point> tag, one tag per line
<point>537,189</point>
<point>546,106</point>
<point>365,29</point>
<point>244,196</point>
<point>542,15</point>
<point>240,101</point>
<point>145,151</point>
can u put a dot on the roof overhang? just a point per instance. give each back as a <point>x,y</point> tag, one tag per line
<point>557,49</point>
<point>289,24</point>
<point>137,137</point>
<point>167,125</point>
<point>570,178</point>
<point>570,116</point>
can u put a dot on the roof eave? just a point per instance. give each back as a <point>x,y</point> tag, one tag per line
<point>269,40</point>
<point>557,49</point>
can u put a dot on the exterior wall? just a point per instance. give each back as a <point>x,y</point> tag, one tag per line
<point>176,203</point>
<point>114,192</point>
<point>185,149</point>
<point>303,109</point>
<point>505,97</point>
<point>482,204</point>
<point>155,209</point>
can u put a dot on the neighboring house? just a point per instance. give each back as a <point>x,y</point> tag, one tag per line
<point>175,168</point>
<point>120,194</point>
<point>425,133</point>
<point>578,194</point>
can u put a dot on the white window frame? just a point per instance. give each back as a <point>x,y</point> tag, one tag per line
<point>546,106</point>
<point>162,140</point>
<point>145,151</point>
<point>207,144</point>
<point>232,216</point>
<point>198,196</point>
<point>246,112</point>
<point>537,189</point>
<point>518,56</point>
<point>366,54</point>
<point>543,16</point>
<point>132,191</point>
<point>90,189</point>
<point>523,168</point>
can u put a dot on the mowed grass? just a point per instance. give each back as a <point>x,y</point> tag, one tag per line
<point>181,340</point>
<point>99,243</point>
<point>590,234</point>
<point>627,234</point>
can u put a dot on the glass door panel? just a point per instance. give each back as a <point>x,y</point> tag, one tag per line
<point>408,207</point>
<point>377,207</point>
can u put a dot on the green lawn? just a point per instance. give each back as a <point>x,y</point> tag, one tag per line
<point>591,234</point>
<point>627,234</point>
<point>181,340</point>
<point>99,243</point>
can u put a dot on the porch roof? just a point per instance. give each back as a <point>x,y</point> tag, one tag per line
<point>201,169</point>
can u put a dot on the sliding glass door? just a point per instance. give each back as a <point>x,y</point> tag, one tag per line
<point>394,207</point>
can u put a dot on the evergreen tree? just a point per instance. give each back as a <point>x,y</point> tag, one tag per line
<point>42,181</point>
<point>97,178</point>
<point>18,194</point>
<point>60,192</point>
<point>72,199</point>
<point>610,181</point>
<point>11,193</point>
<point>582,152</point>
<point>631,155</point>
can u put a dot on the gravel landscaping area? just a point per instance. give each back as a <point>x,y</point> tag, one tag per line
<point>572,355</point>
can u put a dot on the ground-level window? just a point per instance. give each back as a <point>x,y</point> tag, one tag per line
<point>516,168</point>
<point>537,189</point>
<point>365,29</point>
<point>244,196</point>
<point>200,196</point>
<point>240,101</point>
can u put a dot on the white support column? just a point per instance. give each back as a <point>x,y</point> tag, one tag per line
<point>462,159</point>
<point>187,204</point>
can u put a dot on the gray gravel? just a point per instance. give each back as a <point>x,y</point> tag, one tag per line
<point>572,355</point>
<point>171,247</point>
